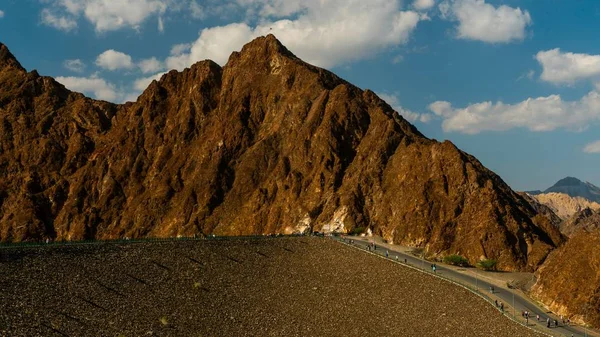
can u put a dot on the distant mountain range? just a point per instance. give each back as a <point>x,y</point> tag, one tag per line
<point>573,187</point>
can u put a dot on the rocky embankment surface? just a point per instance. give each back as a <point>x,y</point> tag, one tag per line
<point>261,287</point>
<point>265,144</point>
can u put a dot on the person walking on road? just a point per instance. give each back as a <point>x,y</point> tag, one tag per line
<point>501,306</point>
<point>387,254</point>
<point>496,303</point>
<point>548,322</point>
<point>537,317</point>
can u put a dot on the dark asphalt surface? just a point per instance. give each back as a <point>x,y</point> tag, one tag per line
<point>505,295</point>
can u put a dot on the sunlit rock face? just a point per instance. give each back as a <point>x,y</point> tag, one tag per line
<point>265,144</point>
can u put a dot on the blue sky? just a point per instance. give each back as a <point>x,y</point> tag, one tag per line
<point>514,82</point>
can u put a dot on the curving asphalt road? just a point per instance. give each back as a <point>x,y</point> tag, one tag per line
<point>502,294</point>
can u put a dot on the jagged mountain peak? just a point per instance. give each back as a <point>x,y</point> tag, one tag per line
<point>576,188</point>
<point>7,59</point>
<point>265,144</point>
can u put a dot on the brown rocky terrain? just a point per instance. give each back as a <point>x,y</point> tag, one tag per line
<point>569,281</point>
<point>585,219</point>
<point>265,144</point>
<point>541,208</point>
<point>565,205</point>
<point>252,287</point>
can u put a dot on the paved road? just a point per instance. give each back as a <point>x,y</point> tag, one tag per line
<point>502,294</point>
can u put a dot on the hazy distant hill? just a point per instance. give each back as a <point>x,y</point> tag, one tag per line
<point>565,205</point>
<point>576,188</point>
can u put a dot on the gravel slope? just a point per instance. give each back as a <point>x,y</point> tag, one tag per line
<point>261,287</point>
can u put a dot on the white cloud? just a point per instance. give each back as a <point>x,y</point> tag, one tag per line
<point>114,60</point>
<point>325,33</point>
<point>593,147</point>
<point>1,14</point>
<point>528,75</point>
<point>59,22</point>
<point>410,116</point>
<point>181,48</point>
<point>559,67</point>
<point>423,4</point>
<point>142,83</point>
<point>76,65</point>
<point>196,10</point>
<point>161,25</point>
<point>151,65</point>
<point>478,20</point>
<point>536,114</point>
<point>110,15</point>
<point>93,85</point>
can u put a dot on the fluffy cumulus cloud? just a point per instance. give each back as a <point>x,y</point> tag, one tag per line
<point>76,65</point>
<point>593,147</point>
<point>478,20</point>
<point>536,114</point>
<point>566,68</point>
<point>423,4</point>
<point>114,60</point>
<point>107,15</point>
<point>93,85</point>
<point>151,65</point>
<point>57,21</point>
<point>325,33</point>
<point>410,116</point>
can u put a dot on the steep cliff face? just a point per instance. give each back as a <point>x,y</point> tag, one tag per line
<point>569,281</point>
<point>266,144</point>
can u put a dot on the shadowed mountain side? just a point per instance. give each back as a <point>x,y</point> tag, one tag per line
<point>266,144</point>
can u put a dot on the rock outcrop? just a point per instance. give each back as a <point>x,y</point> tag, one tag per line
<point>565,205</point>
<point>586,219</point>
<point>541,208</point>
<point>265,144</point>
<point>569,281</point>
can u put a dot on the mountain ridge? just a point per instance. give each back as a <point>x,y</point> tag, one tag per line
<point>265,144</point>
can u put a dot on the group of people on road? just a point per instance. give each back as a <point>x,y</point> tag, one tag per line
<point>499,305</point>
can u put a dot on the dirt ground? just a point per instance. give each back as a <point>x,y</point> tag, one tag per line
<point>251,287</point>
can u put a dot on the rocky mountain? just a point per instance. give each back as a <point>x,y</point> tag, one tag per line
<point>576,188</point>
<point>565,205</point>
<point>569,281</point>
<point>265,144</point>
<point>586,219</point>
<point>541,208</point>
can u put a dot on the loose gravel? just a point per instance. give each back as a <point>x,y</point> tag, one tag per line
<point>240,287</point>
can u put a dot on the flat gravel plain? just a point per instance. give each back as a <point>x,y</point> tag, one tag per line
<point>302,286</point>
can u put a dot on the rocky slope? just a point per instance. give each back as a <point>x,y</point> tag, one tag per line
<point>541,208</point>
<point>569,281</point>
<point>265,144</point>
<point>586,219</point>
<point>565,205</point>
<point>576,188</point>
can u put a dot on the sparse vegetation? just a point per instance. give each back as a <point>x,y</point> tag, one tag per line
<point>456,260</point>
<point>487,264</point>
<point>357,230</point>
